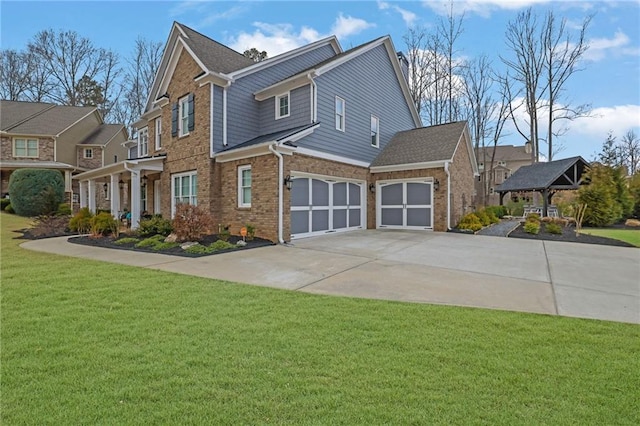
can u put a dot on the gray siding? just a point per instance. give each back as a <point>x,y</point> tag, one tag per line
<point>299,111</point>
<point>369,86</point>
<point>217,118</point>
<point>243,111</point>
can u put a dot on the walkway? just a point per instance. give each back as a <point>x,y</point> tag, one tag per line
<point>569,279</point>
<point>500,229</point>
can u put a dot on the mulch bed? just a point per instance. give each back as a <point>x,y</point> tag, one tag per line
<point>568,236</point>
<point>109,242</point>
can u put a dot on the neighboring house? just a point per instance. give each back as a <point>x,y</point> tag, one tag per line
<point>311,141</point>
<point>507,159</point>
<point>66,138</point>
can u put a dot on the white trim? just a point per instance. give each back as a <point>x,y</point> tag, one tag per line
<point>181,108</point>
<point>157,130</point>
<point>277,105</point>
<point>172,65</point>
<point>157,201</point>
<point>85,151</point>
<point>143,132</point>
<point>287,85</point>
<point>331,157</point>
<point>241,200</point>
<point>250,151</point>
<point>409,166</point>
<point>296,174</point>
<point>26,147</point>
<point>344,114</point>
<point>224,114</point>
<point>377,144</point>
<point>173,189</point>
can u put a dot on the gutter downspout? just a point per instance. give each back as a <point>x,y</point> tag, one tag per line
<point>224,112</point>
<point>446,170</point>
<point>280,197</point>
<point>314,98</point>
<point>212,88</point>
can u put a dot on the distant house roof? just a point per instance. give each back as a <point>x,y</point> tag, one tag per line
<point>558,174</point>
<point>40,119</point>
<point>424,145</point>
<point>506,153</point>
<point>215,56</point>
<point>103,134</point>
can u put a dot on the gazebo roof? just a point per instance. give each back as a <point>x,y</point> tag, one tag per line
<point>554,175</point>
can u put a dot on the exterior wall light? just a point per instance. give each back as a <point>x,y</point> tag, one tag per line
<point>372,188</point>
<point>436,184</point>
<point>105,187</point>
<point>288,182</point>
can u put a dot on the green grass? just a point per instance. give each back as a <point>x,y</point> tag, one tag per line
<point>87,342</point>
<point>631,236</point>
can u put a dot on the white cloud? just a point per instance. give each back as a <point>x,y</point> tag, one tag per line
<point>407,16</point>
<point>279,38</point>
<point>600,48</point>
<point>479,7</point>
<point>618,119</point>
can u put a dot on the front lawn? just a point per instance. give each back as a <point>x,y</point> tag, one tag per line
<point>87,342</point>
<point>631,236</point>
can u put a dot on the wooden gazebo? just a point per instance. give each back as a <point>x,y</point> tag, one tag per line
<point>545,178</point>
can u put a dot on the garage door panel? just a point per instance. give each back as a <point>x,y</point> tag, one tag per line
<point>299,222</point>
<point>355,216</point>
<point>340,194</point>
<point>418,194</point>
<point>319,220</point>
<point>340,219</point>
<point>300,192</point>
<point>354,195</point>
<point>391,195</point>
<point>392,216</point>
<point>419,217</point>
<point>319,193</point>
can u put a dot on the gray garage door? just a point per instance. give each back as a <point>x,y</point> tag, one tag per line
<point>319,206</point>
<point>405,205</point>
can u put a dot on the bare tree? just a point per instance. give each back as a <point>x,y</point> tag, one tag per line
<point>15,68</point>
<point>449,30</point>
<point>418,57</point>
<point>255,55</point>
<point>524,41</point>
<point>561,57</point>
<point>630,149</point>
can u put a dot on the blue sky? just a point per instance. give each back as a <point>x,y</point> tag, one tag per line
<point>610,79</point>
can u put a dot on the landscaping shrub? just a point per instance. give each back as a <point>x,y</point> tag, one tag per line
<point>126,240</point>
<point>515,208</point>
<point>497,211</point>
<point>221,245</point>
<point>532,227</point>
<point>553,228</point>
<point>191,223</point>
<point>199,249</point>
<point>81,222</point>
<point>533,217</point>
<point>224,234</point>
<point>36,192</point>
<point>151,241</point>
<point>470,222</point>
<point>4,202</point>
<point>103,224</point>
<point>49,226</point>
<point>155,225</point>
<point>251,232</point>
<point>64,209</point>
<point>484,218</point>
<point>9,209</point>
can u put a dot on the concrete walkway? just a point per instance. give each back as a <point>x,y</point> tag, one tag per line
<point>569,279</point>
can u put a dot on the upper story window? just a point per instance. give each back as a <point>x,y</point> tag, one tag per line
<point>502,163</point>
<point>143,142</point>
<point>481,166</point>
<point>375,131</point>
<point>282,106</point>
<point>23,147</point>
<point>88,153</point>
<point>183,116</point>
<point>158,133</point>
<point>244,186</point>
<point>340,113</point>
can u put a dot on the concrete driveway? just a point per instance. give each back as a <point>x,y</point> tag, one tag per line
<point>576,280</point>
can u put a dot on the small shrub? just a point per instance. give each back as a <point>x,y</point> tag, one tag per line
<point>532,227</point>
<point>561,221</point>
<point>553,228</point>
<point>533,217</point>
<point>151,241</point>
<point>492,216</point>
<point>251,232</point>
<point>155,225</point>
<point>199,249</point>
<point>9,209</point>
<point>191,223</point>
<point>81,222</point>
<point>484,218</point>
<point>498,211</point>
<point>221,245</point>
<point>515,208</point>
<point>164,246</point>
<point>546,219</point>
<point>470,222</point>
<point>64,209</point>
<point>126,240</point>
<point>103,224</point>
<point>36,192</point>
<point>4,202</point>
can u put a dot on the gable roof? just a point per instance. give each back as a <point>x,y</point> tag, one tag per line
<point>40,120</point>
<point>558,174</point>
<point>506,153</point>
<point>103,134</point>
<point>433,144</point>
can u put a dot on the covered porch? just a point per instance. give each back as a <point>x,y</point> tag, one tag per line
<point>125,186</point>
<point>547,179</point>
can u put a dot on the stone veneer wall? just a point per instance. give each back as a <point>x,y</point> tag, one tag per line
<point>89,163</point>
<point>45,149</point>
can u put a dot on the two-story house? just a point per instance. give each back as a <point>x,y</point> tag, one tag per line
<point>66,138</point>
<point>311,141</point>
<point>506,160</point>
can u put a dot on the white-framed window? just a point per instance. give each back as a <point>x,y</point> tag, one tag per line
<point>143,142</point>
<point>375,131</point>
<point>23,147</point>
<point>282,106</point>
<point>88,153</point>
<point>183,116</point>
<point>481,166</point>
<point>143,198</point>
<point>158,133</point>
<point>184,188</point>
<point>244,186</point>
<point>340,113</point>
<point>502,163</point>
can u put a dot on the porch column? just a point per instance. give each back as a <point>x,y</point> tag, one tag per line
<point>92,195</point>
<point>135,198</point>
<point>83,194</point>
<point>115,196</point>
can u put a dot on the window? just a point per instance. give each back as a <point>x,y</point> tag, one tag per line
<point>88,153</point>
<point>282,106</point>
<point>182,116</point>
<point>375,131</point>
<point>244,186</point>
<point>481,166</point>
<point>340,114</point>
<point>143,142</point>
<point>502,163</point>
<point>25,148</point>
<point>158,133</point>
<point>143,198</point>
<point>184,187</point>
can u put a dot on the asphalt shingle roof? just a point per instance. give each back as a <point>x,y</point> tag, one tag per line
<point>539,176</point>
<point>14,112</point>
<point>275,136</point>
<point>38,120</point>
<point>423,145</point>
<point>506,153</point>
<point>215,56</point>
<point>103,134</point>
